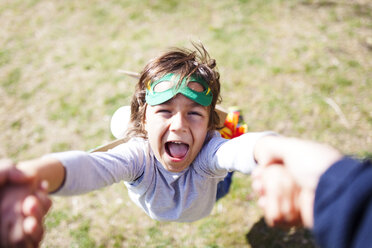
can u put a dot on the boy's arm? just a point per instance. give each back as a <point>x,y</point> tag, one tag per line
<point>45,169</point>
<point>238,154</point>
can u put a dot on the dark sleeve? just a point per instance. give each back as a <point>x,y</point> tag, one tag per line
<point>343,205</point>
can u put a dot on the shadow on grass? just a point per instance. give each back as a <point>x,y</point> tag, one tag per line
<point>262,236</point>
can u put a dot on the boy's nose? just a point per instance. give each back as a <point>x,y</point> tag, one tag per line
<point>178,122</point>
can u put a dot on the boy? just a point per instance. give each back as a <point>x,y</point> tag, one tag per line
<point>174,158</point>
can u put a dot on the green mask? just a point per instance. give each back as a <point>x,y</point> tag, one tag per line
<point>154,97</point>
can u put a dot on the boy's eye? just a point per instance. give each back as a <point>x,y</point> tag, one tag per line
<point>163,111</point>
<point>195,113</point>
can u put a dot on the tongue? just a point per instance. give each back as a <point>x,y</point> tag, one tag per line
<point>177,150</point>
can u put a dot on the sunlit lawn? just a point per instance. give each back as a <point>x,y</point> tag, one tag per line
<point>300,68</point>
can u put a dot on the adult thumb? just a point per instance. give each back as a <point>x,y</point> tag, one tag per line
<point>18,177</point>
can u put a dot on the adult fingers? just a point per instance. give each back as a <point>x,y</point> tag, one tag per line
<point>306,203</point>
<point>9,173</point>
<point>270,199</point>
<point>43,195</point>
<point>278,195</point>
<point>5,166</point>
<point>257,184</point>
<point>279,212</point>
<point>34,229</point>
<point>16,176</point>
<point>12,234</point>
<point>20,231</point>
<point>290,215</point>
<point>272,210</point>
<point>36,205</point>
<point>31,206</point>
<point>12,199</point>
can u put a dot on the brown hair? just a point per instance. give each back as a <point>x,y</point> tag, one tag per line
<point>183,62</point>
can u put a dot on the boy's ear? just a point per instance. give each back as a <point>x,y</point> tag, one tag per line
<point>222,113</point>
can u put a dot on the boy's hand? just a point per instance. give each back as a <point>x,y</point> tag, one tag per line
<point>22,208</point>
<point>278,196</point>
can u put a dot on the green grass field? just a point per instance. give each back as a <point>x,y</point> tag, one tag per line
<point>299,67</point>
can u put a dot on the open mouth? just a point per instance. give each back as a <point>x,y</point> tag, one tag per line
<point>176,149</point>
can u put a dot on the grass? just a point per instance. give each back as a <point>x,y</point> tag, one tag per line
<point>280,62</point>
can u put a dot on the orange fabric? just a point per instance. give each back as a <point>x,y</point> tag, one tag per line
<point>234,125</point>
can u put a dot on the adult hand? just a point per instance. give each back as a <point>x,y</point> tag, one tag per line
<point>305,162</point>
<point>278,196</point>
<point>23,205</point>
<point>9,173</point>
<point>283,201</point>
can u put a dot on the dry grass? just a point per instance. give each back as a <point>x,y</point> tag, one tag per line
<point>301,68</point>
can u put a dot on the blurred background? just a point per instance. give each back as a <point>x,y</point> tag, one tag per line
<point>298,67</point>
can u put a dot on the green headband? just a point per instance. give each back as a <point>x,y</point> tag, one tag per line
<point>154,98</point>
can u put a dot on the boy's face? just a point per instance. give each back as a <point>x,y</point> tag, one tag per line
<point>176,131</point>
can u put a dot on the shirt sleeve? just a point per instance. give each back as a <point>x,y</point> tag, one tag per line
<point>222,155</point>
<point>90,171</point>
<point>343,205</point>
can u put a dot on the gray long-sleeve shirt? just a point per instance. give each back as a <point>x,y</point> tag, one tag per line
<point>166,196</point>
